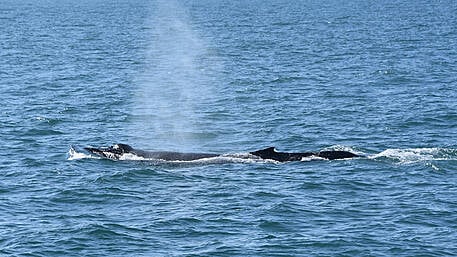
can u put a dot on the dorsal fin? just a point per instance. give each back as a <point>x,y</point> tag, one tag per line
<point>270,149</point>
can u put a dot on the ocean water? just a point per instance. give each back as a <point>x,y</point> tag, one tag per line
<point>374,77</point>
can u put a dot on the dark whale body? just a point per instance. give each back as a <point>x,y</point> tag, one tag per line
<point>117,151</point>
<point>271,154</point>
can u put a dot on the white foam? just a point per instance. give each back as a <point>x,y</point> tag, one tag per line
<point>75,155</point>
<point>413,155</point>
<point>343,148</point>
<point>311,158</point>
<point>131,157</point>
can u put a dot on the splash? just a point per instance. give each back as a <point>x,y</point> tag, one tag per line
<point>343,148</point>
<point>73,154</point>
<point>414,155</point>
<point>176,81</point>
<point>311,158</point>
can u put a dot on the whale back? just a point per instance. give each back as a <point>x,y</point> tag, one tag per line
<point>270,153</point>
<point>333,155</point>
<point>265,153</point>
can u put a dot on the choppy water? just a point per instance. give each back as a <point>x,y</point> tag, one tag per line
<point>377,78</point>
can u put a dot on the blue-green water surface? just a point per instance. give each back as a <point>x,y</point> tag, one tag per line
<point>377,78</point>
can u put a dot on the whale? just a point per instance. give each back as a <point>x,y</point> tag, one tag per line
<point>117,151</point>
<point>120,151</point>
<point>271,153</point>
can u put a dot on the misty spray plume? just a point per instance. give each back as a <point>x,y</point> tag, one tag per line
<point>174,84</point>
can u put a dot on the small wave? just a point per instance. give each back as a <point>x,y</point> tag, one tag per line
<point>413,155</point>
<point>50,121</point>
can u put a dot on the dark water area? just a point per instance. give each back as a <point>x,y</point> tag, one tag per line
<point>374,78</point>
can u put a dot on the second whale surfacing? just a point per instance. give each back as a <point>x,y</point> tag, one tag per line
<point>119,151</point>
<point>270,153</point>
